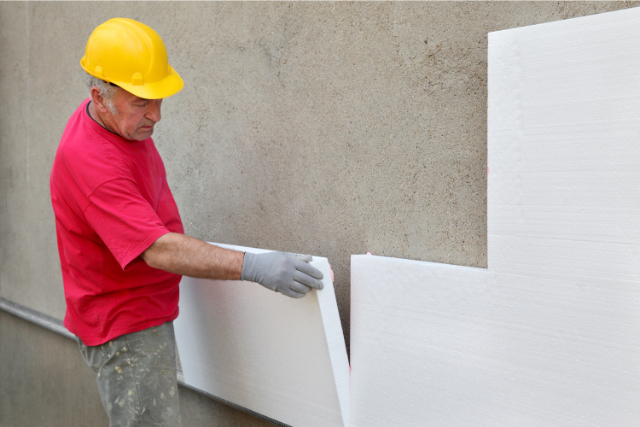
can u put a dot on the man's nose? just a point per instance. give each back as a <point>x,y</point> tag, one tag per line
<point>153,112</point>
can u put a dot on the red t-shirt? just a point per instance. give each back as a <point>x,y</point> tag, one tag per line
<point>111,201</point>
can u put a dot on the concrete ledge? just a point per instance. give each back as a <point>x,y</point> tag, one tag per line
<point>36,317</point>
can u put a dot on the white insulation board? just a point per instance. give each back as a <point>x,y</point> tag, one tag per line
<point>563,147</point>
<point>549,334</point>
<point>281,357</point>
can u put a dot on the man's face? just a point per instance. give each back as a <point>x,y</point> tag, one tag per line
<point>136,116</point>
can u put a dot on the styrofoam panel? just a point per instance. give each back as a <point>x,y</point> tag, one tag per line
<point>283,358</point>
<point>563,128</point>
<point>404,328</point>
<point>548,335</point>
<point>543,256</point>
<point>441,345</point>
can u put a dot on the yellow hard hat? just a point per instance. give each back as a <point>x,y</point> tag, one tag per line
<point>131,55</point>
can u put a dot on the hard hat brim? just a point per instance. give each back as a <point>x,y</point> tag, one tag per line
<point>166,87</point>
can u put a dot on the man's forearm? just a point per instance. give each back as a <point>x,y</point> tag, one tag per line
<point>180,254</point>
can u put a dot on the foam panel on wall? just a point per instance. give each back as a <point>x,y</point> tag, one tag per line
<point>441,345</point>
<point>563,132</point>
<point>549,334</point>
<point>283,358</point>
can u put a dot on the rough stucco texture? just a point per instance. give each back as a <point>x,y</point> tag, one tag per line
<point>324,128</point>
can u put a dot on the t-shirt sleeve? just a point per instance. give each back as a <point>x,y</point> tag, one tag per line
<point>124,219</point>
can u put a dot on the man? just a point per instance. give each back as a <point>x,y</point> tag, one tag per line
<point>120,237</point>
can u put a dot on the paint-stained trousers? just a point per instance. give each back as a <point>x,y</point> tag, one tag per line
<point>137,377</point>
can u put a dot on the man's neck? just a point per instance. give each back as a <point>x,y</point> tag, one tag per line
<point>93,113</point>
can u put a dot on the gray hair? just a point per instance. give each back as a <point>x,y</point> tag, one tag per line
<point>107,92</point>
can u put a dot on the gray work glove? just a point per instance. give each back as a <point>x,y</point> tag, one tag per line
<point>282,272</point>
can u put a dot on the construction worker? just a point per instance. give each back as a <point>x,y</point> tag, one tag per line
<point>120,237</point>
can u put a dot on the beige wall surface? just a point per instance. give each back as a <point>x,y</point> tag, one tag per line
<point>324,128</point>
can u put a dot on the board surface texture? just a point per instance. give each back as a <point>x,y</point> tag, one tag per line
<point>549,334</point>
<point>281,357</point>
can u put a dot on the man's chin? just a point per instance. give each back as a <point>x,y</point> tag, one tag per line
<point>143,134</point>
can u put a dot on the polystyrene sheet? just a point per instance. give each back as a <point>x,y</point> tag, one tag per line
<point>563,132</point>
<point>441,345</point>
<point>283,358</point>
<point>549,334</point>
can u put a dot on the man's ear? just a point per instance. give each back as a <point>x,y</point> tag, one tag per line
<point>98,101</point>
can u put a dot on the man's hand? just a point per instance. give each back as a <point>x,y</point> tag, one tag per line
<point>288,274</point>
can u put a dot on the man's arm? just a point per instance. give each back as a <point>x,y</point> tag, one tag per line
<point>288,274</point>
<point>187,256</point>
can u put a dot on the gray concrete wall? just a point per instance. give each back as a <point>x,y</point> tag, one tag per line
<point>45,383</point>
<point>325,128</point>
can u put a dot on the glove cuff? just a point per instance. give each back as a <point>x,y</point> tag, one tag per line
<point>247,267</point>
